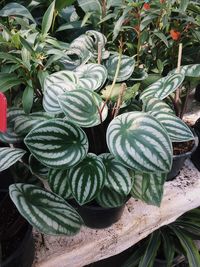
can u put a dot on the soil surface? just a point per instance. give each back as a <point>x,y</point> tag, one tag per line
<point>182,147</point>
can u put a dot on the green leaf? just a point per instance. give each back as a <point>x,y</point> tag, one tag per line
<point>177,130</point>
<point>8,80</point>
<point>109,198</point>
<point>70,25</point>
<point>126,67</point>
<point>60,4</point>
<point>87,178</point>
<point>190,248</point>
<point>48,18</point>
<point>9,156</point>
<point>118,24</point>
<point>163,87</point>
<point>168,247</point>
<point>27,45</point>
<point>90,6</point>
<point>140,142</point>
<point>57,144</point>
<point>55,85</point>
<point>91,76</point>
<point>38,168</point>
<point>27,99</point>
<point>192,70</point>
<point>155,105</point>
<point>10,58</point>
<point>151,251</point>
<point>47,212</point>
<point>162,37</point>
<point>83,107</point>
<point>148,187</point>
<point>15,9</point>
<point>184,5</point>
<point>59,183</point>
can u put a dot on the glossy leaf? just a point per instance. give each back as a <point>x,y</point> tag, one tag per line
<point>109,198</point>
<point>48,18</point>
<point>9,156</point>
<point>27,99</point>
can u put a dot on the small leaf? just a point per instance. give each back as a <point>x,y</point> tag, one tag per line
<point>8,80</point>
<point>9,156</point>
<point>47,212</point>
<point>27,99</point>
<point>48,18</point>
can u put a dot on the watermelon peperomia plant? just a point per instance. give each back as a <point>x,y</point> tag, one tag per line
<point>91,152</point>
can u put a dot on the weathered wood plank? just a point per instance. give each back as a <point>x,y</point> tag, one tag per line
<point>137,222</point>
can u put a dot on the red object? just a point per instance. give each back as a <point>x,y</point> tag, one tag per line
<point>146,6</point>
<point>175,35</point>
<point>3,113</point>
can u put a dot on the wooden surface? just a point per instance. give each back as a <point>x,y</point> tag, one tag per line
<point>138,221</point>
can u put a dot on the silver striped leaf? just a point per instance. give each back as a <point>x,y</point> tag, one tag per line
<point>37,168</point>
<point>177,130</point>
<point>140,142</point>
<point>55,85</point>
<point>156,105</point>
<point>192,70</point>
<point>10,137</point>
<point>87,178</point>
<point>47,212</point>
<point>117,175</point>
<point>25,123</point>
<point>59,183</point>
<point>163,87</point>
<point>126,67</point>
<point>9,156</point>
<point>109,198</point>
<point>91,76</point>
<point>82,107</point>
<point>82,43</point>
<point>97,38</point>
<point>148,187</point>
<point>57,144</point>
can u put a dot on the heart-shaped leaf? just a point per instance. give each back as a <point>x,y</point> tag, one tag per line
<point>47,212</point>
<point>57,144</point>
<point>154,105</point>
<point>140,142</point>
<point>9,156</point>
<point>109,198</point>
<point>83,107</point>
<point>87,178</point>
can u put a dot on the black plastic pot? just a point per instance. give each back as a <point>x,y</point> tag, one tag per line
<point>178,162</point>
<point>98,217</point>
<point>196,154</point>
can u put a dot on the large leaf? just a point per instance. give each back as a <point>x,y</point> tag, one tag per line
<point>126,69</point>
<point>48,18</point>
<point>163,87</point>
<point>59,183</point>
<point>140,142</point>
<point>90,5</point>
<point>57,144</point>
<point>15,9</point>
<point>109,198</point>
<point>192,70</point>
<point>87,178</point>
<point>177,130</point>
<point>156,105</point>
<point>98,38</point>
<point>47,212</point>
<point>91,76</point>
<point>8,156</point>
<point>8,80</point>
<point>148,187</point>
<point>83,107</point>
<point>55,85</point>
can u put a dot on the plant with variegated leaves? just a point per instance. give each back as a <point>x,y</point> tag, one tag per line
<point>90,152</point>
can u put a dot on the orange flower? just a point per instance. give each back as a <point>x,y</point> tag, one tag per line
<point>146,6</point>
<point>175,35</point>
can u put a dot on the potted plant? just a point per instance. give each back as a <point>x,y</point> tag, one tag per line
<point>170,245</point>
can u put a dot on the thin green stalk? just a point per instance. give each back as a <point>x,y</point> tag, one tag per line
<point>55,13</point>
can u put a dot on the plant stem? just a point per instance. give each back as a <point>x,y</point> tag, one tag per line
<point>119,100</point>
<point>185,102</point>
<point>99,53</point>
<point>55,13</point>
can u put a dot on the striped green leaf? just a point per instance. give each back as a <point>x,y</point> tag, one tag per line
<point>192,70</point>
<point>57,144</point>
<point>109,198</point>
<point>117,175</point>
<point>10,136</point>
<point>127,66</point>
<point>59,183</point>
<point>9,156</point>
<point>25,123</point>
<point>75,57</point>
<point>177,130</point>
<point>97,38</point>
<point>36,167</point>
<point>8,80</point>
<point>91,76</point>
<point>148,187</point>
<point>140,142</point>
<point>47,212</point>
<point>55,85</point>
<point>87,178</point>
<point>156,105</point>
<point>163,87</point>
<point>82,43</point>
<point>83,107</point>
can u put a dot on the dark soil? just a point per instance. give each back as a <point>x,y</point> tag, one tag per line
<point>13,227</point>
<point>182,147</point>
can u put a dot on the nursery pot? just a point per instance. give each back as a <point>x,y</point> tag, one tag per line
<point>97,217</point>
<point>196,154</point>
<point>17,245</point>
<point>178,161</point>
